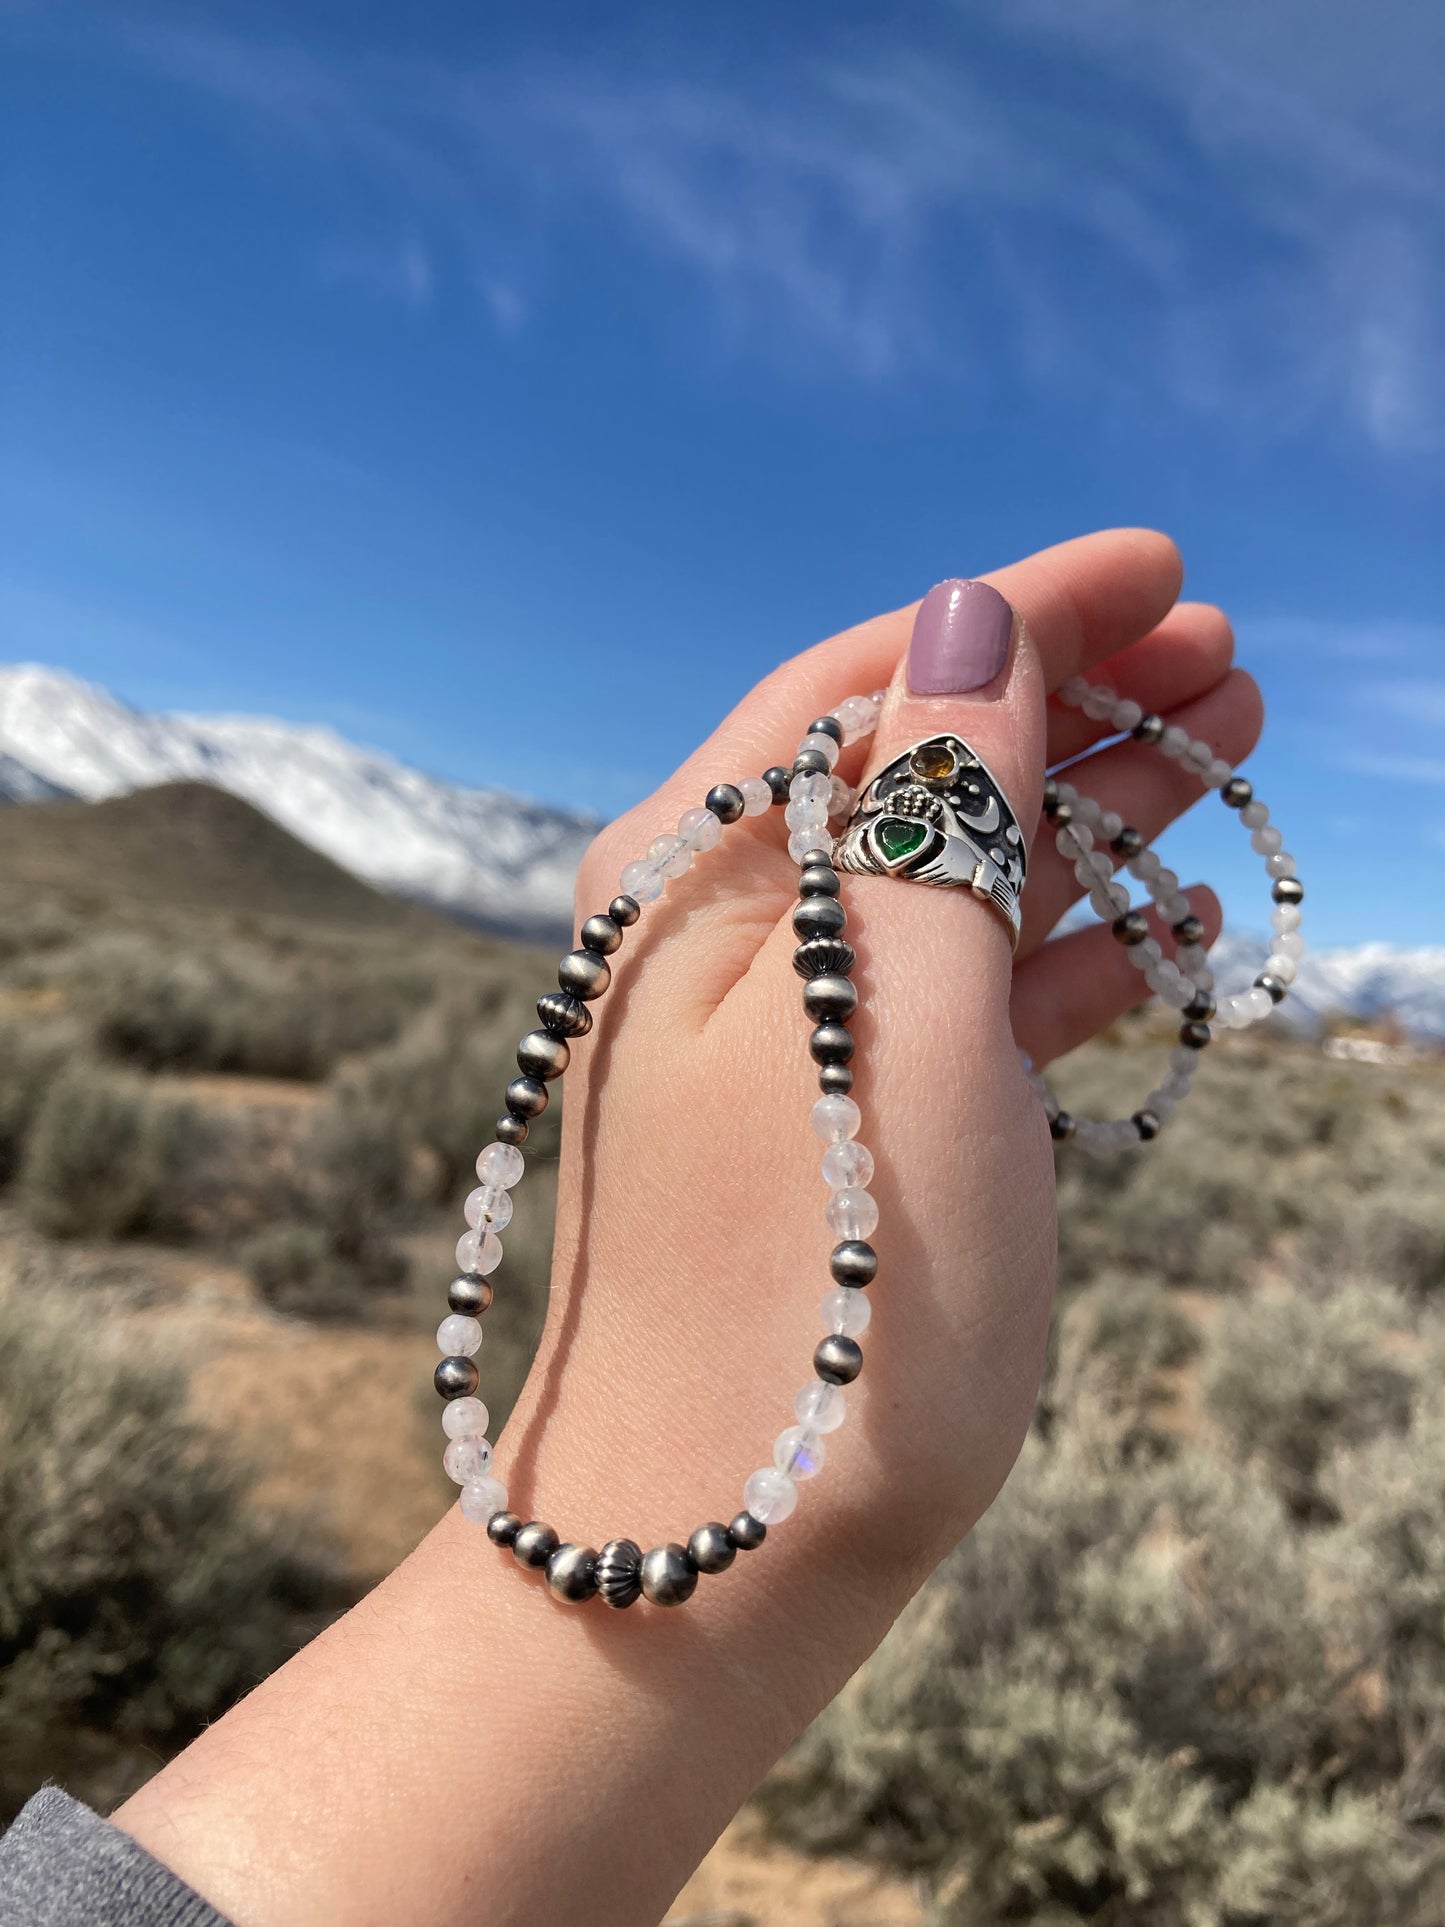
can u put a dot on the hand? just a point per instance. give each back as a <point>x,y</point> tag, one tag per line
<point>506,1758</point>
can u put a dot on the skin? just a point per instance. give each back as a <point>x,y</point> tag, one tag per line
<point>460,1748</point>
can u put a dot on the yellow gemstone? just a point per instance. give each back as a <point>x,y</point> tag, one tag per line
<point>932,763</point>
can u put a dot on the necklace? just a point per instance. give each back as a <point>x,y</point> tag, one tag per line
<point>936,816</point>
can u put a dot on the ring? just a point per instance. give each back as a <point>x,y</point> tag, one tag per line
<point>937,814</point>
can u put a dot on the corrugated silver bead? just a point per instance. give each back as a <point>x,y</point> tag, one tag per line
<point>619,1572</point>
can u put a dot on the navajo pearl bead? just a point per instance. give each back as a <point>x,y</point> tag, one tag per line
<point>819,917</point>
<point>835,1077</point>
<point>836,1118</point>
<point>821,1407</point>
<point>527,1097</point>
<point>601,934</point>
<point>624,911</point>
<point>483,1501</point>
<point>460,1335</point>
<point>852,1213</point>
<point>511,1129</point>
<point>799,1453</point>
<point>584,973</point>
<point>770,1496</point>
<point>503,1527</point>
<point>467,1460</point>
<point>725,802</point>
<point>456,1377</point>
<point>540,1054</point>
<point>826,998</point>
<point>572,1573</point>
<point>825,726</point>
<point>471,1294</point>
<point>669,1576</point>
<point>848,1163</point>
<point>534,1544</point>
<point>465,1418</point>
<point>710,1548</point>
<point>831,1044</point>
<point>746,1532</point>
<point>818,880</point>
<point>846,1311</point>
<point>854,1262</point>
<point>779,781</point>
<point>838,1360</point>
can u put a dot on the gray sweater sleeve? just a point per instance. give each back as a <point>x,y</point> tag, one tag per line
<point>63,1866</point>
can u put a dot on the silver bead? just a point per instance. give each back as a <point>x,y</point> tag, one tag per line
<point>835,1080</point>
<point>818,880</point>
<point>584,974</point>
<point>725,801</point>
<point>1062,1127</point>
<point>534,1544</point>
<point>710,1548</point>
<point>470,1296</point>
<point>1194,1036</point>
<point>829,997</point>
<point>503,1527</point>
<point>854,1262</point>
<point>811,762</point>
<point>1277,991</point>
<point>747,1533</point>
<point>510,1129</point>
<point>1200,1008</point>
<point>526,1097</point>
<point>824,957</point>
<point>1189,930</point>
<point>1237,793</point>
<point>1132,927</point>
<point>826,726</point>
<point>1148,729</point>
<point>668,1575</point>
<point>456,1377</point>
<point>572,1573</point>
<point>1288,890</point>
<point>838,1360</point>
<point>540,1054</point>
<point>1146,1124</point>
<point>831,1044</point>
<point>1128,843</point>
<point>619,1572</point>
<point>819,917</point>
<point>601,935</point>
<point>624,910</point>
<point>563,1014</point>
<point>779,781</point>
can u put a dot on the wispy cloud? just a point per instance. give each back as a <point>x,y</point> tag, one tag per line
<point>1232,208</point>
<point>1397,769</point>
<point>403,273</point>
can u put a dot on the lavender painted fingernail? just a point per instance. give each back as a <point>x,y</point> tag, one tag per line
<point>960,639</point>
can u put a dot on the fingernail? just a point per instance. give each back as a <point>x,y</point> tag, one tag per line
<point>960,639</point>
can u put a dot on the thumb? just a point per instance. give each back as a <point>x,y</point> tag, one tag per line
<point>970,681</point>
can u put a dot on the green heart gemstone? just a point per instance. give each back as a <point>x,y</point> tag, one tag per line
<point>898,837</point>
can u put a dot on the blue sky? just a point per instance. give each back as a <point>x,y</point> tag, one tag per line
<point>425,370</point>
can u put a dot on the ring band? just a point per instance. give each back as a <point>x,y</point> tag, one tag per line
<point>937,814</point>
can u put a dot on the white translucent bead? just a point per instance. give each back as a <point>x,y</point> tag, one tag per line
<point>1087,812</point>
<point>1145,866</point>
<point>488,1206</point>
<point>1110,824</point>
<point>824,745</point>
<point>807,814</point>
<point>846,1311</point>
<point>459,1336</point>
<point>1163,883</point>
<point>500,1164</point>
<point>820,1406</point>
<point>1073,691</point>
<point>700,829</point>
<point>467,1460</point>
<point>1266,841</point>
<point>1174,909</point>
<point>1284,969</point>
<point>1141,955</point>
<point>465,1418</point>
<point>1067,794</point>
<point>841,797</point>
<point>1174,741</point>
<point>479,1252</point>
<point>1101,867</point>
<point>852,1213</point>
<point>481,1499</point>
<point>811,787</point>
<point>1126,713</point>
<point>757,797</point>
<point>1254,815</point>
<point>836,1118</point>
<point>1286,916</point>
<point>670,855</point>
<point>1258,1002</point>
<point>1289,943</point>
<point>641,881</point>
<point>770,1496</point>
<point>847,1163</point>
<point>1281,864</point>
<point>1198,758</point>
<point>1218,774</point>
<point>1110,900</point>
<point>855,717</point>
<point>799,1453</point>
<point>1183,1060</point>
<point>1085,874</point>
<point>1067,842</point>
<point>802,841</point>
<point>1099,701</point>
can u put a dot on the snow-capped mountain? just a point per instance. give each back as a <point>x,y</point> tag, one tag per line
<point>482,853</point>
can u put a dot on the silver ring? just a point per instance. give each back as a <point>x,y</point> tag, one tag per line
<point>937,814</point>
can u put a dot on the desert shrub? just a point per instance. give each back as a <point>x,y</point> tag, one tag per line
<point>31,1057</point>
<point>107,1158</point>
<point>138,1597</point>
<point>1146,1690</point>
<point>39,925</point>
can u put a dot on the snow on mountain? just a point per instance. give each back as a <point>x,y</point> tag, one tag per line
<point>482,853</point>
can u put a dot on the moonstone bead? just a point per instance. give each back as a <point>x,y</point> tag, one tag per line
<point>820,1406</point>
<point>1286,916</point>
<point>770,1496</point>
<point>641,881</point>
<point>459,1336</point>
<point>1258,1003</point>
<point>467,1460</point>
<point>757,797</point>
<point>841,797</point>
<point>1282,968</point>
<point>799,1453</point>
<point>1254,815</point>
<point>670,854</point>
<point>810,787</point>
<point>465,1418</point>
<point>1110,824</point>
<point>824,745</point>
<point>846,1311</point>
<point>1125,714</point>
<point>490,1206</point>
<point>1099,701</point>
<point>481,1499</point>
<point>1289,943</point>
<point>807,814</point>
<point>1073,691</point>
<point>479,1252</point>
<point>699,829</point>
<point>852,1213</point>
<point>1218,774</point>
<point>856,717</point>
<point>1281,864</point>
<point>500,1164</point>
<point>1266,841</point>
<point>847,1163</point>
<point>836,1118</point>
<point>1174,741</point>
<point>820,837</point>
